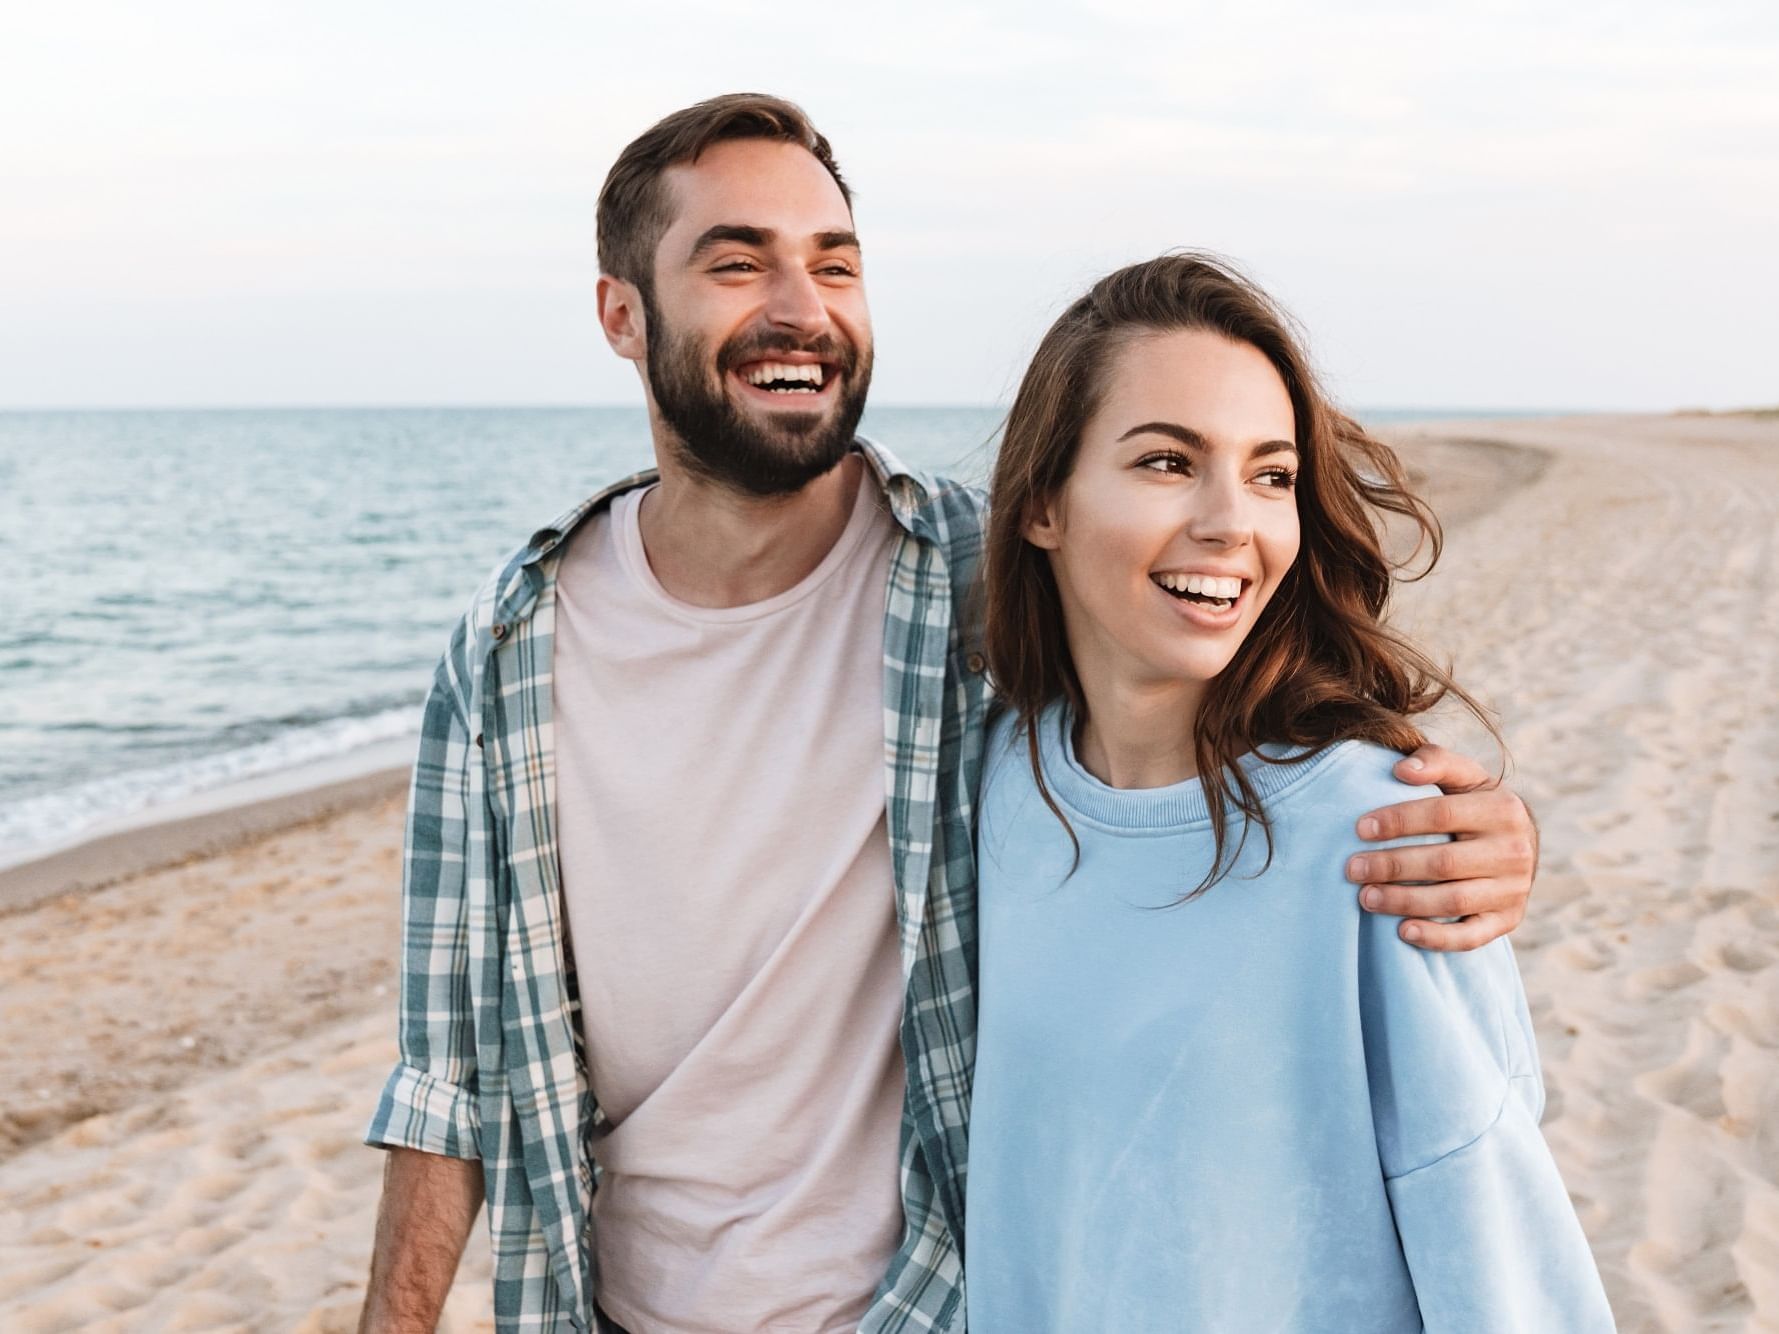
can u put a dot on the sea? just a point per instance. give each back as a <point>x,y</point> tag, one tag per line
<point>194,598</point>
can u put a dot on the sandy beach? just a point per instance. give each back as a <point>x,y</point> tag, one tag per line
<point>198,1047</point>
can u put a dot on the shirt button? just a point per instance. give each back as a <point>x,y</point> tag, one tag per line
<point>498,630</point>
<point>976,662</point>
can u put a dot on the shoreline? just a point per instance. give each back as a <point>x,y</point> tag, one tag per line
<point>1464,477</point>
<point>204,824</point>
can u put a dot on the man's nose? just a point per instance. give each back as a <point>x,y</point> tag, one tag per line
<point>794,302</point>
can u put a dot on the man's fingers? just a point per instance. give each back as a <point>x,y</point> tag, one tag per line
<point>1505,858</point>
<point>1436,764</point>
<point>1486,812</point>
<point>1448,937</point>
<point>1454,898</point>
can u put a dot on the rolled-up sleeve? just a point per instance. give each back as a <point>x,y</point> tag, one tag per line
<point>429,1100</point>
<point>1491,1239</point>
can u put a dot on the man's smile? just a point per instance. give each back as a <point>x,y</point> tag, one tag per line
<point>788,380</point>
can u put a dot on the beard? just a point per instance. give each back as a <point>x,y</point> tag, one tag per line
<point>721,441</point>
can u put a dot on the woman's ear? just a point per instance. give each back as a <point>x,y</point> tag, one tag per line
<point>1043,523</point>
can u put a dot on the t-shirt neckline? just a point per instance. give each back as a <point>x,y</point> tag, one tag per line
<point>627,512</point>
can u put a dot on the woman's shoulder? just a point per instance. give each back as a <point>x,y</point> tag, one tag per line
<point>1017,833</point>
<point>1347,779</point>
<point>1003,726</point>
<point>1006,770</point>
<point>1005,743</point>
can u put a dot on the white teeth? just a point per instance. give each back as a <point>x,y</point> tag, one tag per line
<point>767,371</point>
<point>1204,585</point>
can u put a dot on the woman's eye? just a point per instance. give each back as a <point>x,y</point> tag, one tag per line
<point>1167,463</point>
<point>1283,478</point>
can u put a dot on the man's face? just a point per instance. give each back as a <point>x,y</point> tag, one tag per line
<point>758,337</point>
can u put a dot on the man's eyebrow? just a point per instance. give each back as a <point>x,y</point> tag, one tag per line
<point>730,231</point>
<point>742,234</point>
<point>1193,440</point>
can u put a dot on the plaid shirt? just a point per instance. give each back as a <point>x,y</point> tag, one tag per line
<point>492,1066</point>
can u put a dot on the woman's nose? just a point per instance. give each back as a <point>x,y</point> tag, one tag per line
<point>1219,515</point>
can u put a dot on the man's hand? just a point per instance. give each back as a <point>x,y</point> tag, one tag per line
<point>429,1204</point>
<point>1485,877</point>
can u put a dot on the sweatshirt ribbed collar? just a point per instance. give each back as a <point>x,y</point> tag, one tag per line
<point>1173,808</point>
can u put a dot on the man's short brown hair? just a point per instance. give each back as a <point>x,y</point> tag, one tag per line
<point>634,208</point>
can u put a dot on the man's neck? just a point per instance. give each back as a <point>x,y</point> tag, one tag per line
<point>712,546</point>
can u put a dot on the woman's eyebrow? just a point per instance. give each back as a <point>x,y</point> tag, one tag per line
<point>1173,430</point>
<point>1193,440</point>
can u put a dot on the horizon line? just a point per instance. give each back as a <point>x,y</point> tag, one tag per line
<point>1567,410</point>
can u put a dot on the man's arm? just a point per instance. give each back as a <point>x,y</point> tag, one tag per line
<point>429,1204</point>
<point>1484,876</point>
<point>427,1118</point>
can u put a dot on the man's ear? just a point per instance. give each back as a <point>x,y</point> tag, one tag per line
<point>621,317</point>
<point>1043,523</point>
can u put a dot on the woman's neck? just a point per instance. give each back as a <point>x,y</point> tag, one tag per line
<point>1139,734</point>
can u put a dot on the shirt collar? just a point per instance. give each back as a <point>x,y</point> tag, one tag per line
<point>907,489</point>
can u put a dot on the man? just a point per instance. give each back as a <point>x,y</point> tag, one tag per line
<point>659,915</point>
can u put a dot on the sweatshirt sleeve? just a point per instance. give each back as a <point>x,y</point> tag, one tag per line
<point>1491,1239</point>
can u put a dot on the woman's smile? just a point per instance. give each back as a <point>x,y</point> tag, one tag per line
<point>1206,610</point>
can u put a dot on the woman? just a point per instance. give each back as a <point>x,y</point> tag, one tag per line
<point>1210,1093</point>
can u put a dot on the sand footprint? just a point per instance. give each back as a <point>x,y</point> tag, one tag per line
<point>1650,983</point>
<point>1756,1251</point>
<point>318,1206</point>
<point>29,1278</point>
<point>207,1311</point>
<point>206,1241</point>
<point>1695,1213</point>
<point>1589,954</point>
<point>1744,957</point>
<point>1757,1019</point>
<point>1750,1081</point>
<point>1692,1083</point>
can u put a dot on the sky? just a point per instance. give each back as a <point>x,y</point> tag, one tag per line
<point>1501,206</point>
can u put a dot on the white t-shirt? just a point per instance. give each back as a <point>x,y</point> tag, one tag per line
<point>730,898</point>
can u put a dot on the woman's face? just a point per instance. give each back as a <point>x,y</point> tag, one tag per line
<point>1183,494</point>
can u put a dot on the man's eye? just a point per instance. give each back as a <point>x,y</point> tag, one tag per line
<point>735,266</point>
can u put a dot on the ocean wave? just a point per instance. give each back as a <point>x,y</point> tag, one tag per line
<point>60,816</point>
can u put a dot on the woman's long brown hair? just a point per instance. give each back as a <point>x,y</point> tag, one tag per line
<point>1320,666</point>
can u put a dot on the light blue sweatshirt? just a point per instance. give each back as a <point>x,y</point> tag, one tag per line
<point>1255,1111</point>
